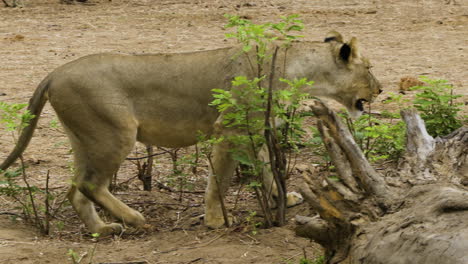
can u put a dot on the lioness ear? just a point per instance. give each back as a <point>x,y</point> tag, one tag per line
<point>333,36</point>
<point>349,51</point>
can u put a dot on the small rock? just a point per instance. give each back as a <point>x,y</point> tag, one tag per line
<point>407,82</point>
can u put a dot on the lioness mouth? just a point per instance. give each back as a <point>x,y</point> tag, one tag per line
<point>359,104</point>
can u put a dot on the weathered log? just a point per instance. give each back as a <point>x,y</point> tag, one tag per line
<point>430,160</point>
<point>430,227</point>
<point>362,219</point>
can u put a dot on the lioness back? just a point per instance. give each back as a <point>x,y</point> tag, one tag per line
<point>165,95</point>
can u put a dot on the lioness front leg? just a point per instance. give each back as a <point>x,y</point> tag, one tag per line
<point>292,198</point>
<point>218,182</point>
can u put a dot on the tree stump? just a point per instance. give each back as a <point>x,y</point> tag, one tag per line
<point>418,214</point>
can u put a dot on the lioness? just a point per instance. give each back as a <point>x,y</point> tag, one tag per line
<point>106,102</point>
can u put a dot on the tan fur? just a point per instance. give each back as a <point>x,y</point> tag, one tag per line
<point>107,102</point>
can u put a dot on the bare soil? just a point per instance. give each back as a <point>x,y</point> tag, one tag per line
<point>401,38</point>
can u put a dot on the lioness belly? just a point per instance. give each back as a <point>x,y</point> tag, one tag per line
<point>175,125</point>
<point>174,134</point>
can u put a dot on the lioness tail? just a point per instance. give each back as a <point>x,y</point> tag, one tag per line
<point>36,103</point>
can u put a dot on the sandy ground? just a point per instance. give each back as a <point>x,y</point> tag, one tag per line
<point>421,37</point>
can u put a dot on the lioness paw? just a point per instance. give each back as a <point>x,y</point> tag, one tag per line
<point>217,222</point>
<point>134,218</point>
<point>110,229</point>
<point>293,199</point>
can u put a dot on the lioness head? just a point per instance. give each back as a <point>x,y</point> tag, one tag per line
<point>339,72</point>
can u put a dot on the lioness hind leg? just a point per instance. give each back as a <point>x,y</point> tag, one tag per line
<point>87,213</point>
<point>98,156</point>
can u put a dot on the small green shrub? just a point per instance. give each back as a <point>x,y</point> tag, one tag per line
<point>13,117</point>
<point>243,108</point>
<point>254,106</point>
<point>383,137</point>
<point>435,102</point>
<point>259,35</point>
<point>318,260</point>
<point>315,144</point>
<point>75,258</point>
<point>252,223</point>
<point>181,177</point>
<point>380,139</point>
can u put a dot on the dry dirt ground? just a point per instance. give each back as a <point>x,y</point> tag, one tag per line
<point>420,37</point>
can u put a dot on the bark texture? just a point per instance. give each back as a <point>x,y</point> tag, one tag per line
<point>430,160</point>
<point>364,219</point>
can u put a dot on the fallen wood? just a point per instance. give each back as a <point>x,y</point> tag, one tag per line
<point>431,160</point>
<point>362,219</point>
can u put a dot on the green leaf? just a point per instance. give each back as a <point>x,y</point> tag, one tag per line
<point>247,48</point>
<point>295,28</point>
<point>254,184</point>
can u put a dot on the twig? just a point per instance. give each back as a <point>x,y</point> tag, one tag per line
<point>4,241</point>
<point>291,257</point>
<point>195,260</point>
<point>368,143</point>
<point>276,156</point>
<point>33,204</point>
<point>131,262</point>
<point>80,259</point>
<point>196,161</point>
<point>46,204</point>
<point>193,247</point>
<point>147,156</point>
<point>59,206</point>
<point>167,204</point>
<point>145,170</point>
<point>130,179</point>
<point>13,4</point>
<point>238,194</point>
<point>253,239</point>
<point>10,213</point>
<point>264,205</point>
<point>149,168</point>
<point>250,63</point>
<point>92,252</point>
<point>164,187</point>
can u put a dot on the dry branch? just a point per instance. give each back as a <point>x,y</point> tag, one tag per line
<point>350,153</point>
